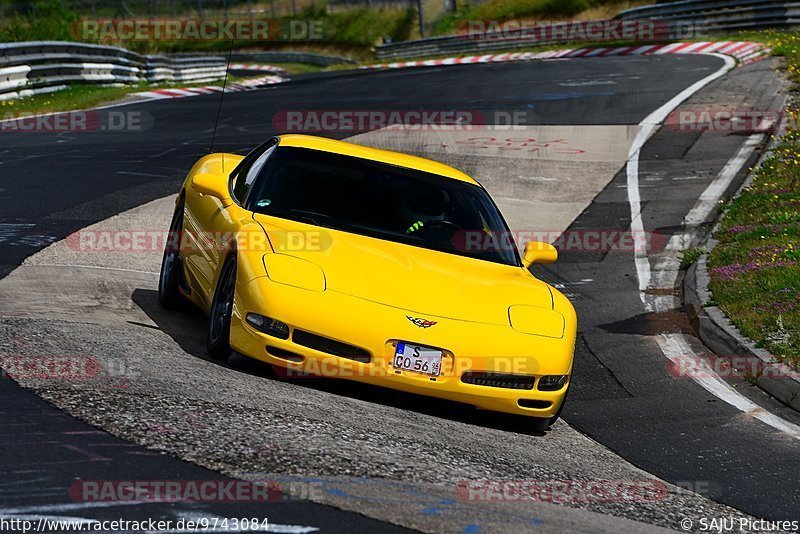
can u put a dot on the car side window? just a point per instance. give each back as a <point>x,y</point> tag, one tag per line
<point>244,176</point>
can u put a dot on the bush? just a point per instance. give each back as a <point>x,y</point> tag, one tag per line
<point>367,27</point>
<point>511,9</point>
<point>47,20</point>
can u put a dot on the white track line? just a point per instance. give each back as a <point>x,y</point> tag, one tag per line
<point>646,129</point>
<point>675,346</point>
<point>665,272</point>
<point>710,198</point>
<point>677,349</point>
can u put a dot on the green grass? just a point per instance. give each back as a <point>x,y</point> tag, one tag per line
<point>367,27</point>
<point>357,29</point>
<point>298,68</point>
<point>690,256</point>
<point>755,268</point>
<point>71,98</point>
<point>53,21</point>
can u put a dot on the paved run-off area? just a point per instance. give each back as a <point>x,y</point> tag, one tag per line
<point>390,456</point>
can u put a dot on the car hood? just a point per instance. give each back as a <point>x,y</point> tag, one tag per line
<point>424,282</point>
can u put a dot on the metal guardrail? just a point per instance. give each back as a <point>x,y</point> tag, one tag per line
<point>506,39</point>
<point>184,69</point>
<point>290,57</point>
<point>44,66</point>
<point>682,19</point>
<point>719,16</point>
<point>450,44</point>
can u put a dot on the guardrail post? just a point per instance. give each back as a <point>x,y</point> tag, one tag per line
<point>421,12</point>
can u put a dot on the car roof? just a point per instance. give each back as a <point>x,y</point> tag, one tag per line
<point>344,148</point>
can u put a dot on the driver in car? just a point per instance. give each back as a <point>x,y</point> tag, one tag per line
<point>424,205</point>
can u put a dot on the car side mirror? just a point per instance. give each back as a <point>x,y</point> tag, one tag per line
<point>539,252</point>
<point>211,185</point>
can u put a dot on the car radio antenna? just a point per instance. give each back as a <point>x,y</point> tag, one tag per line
<point>221,95</point>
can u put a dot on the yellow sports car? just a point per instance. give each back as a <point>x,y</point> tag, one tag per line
<point>322,257</point>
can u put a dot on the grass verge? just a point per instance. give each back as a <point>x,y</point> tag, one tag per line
<point>299,68</point>
<point>77,97</point>
<point>71,98</point>
<point>690,256</point>
<point>755,268</point>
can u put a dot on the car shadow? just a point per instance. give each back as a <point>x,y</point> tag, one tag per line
<point>187,327</point>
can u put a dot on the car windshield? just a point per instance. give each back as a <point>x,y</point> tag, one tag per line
<point>384,201</point>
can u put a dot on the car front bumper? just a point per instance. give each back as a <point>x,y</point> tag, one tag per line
<point>376,328</point>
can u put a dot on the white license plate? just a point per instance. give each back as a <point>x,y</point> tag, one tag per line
<point>424,360</point>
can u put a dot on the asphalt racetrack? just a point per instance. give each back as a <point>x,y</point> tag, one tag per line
<point>353,458</point>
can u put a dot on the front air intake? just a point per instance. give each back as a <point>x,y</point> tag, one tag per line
<point>330,346</point>
<point>499,380</point>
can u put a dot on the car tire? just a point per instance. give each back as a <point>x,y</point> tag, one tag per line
<point>169,295</point>
<point>219,319</point>
<point>544,424</point>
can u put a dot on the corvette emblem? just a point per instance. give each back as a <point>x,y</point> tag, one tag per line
<point>422,323</point>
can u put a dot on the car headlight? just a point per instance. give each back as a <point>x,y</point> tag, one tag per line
<point>551,382</point>
<point>272,327</point>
